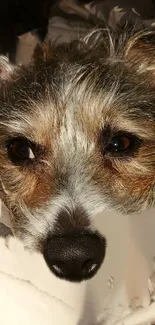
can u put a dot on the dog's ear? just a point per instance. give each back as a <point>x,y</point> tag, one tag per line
<point>139,53</point>
<point>6,68</point>
<point>42,53</point>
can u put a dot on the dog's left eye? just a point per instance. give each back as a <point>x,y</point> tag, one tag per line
<point>123,144</point>
<point>20,150</point>
<point>119,144</point>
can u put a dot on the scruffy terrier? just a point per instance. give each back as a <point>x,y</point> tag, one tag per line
<point>77,136</point>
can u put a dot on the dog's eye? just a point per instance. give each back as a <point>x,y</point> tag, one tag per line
<point>119,144</point>
<point>20,150</point>
<point>123,144</point>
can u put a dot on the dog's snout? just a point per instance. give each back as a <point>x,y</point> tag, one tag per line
<point>75,257</point>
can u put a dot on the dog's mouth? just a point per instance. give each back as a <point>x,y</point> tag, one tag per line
<point>75,256</point>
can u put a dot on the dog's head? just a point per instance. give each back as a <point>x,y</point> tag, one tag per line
<point>77,136</point>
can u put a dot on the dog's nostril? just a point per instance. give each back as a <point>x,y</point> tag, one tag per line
<point>58,267</point>
<point>89,266</point>
<point>75,257</point>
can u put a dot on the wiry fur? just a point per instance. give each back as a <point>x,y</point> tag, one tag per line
<point>69,101</point>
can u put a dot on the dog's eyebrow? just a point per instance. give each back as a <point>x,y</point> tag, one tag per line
<point>32,142</point>
<point>123,126</point>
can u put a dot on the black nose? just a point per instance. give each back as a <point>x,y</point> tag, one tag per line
<point>75,257</point>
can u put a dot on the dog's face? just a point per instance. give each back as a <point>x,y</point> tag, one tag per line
<point>77,136</point>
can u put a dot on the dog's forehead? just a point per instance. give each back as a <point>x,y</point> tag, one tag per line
<point>74,97</point>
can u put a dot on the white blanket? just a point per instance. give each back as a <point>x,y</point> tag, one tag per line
<point>23,303</point>
<point>118,294</point>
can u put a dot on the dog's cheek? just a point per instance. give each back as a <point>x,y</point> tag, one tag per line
<point>18,186</point>
<point>130,194</point>
<point>134,180</point>
<point>128,186</point>
<point>40,193</point>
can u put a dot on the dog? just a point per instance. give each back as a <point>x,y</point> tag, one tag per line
<point>77,136</point>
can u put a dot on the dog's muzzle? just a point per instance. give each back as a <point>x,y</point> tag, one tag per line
<point>75,256</point>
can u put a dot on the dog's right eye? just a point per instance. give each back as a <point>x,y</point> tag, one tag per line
<point>20,150</point>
